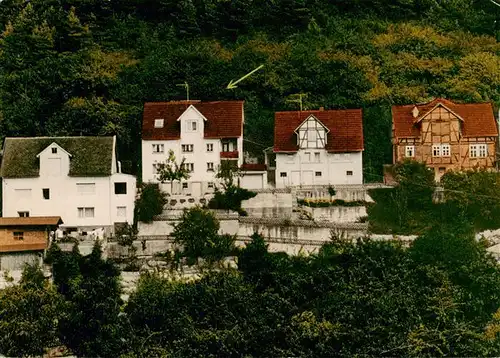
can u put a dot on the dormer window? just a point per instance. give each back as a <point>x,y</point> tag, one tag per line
<point>159,123</point>
<point>193,126</point>
<point>54,150</point>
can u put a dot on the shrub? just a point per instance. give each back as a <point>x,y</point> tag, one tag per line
<point>150,203</point>
<point>230,199</point>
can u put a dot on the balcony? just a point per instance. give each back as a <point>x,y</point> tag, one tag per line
<point>229,155</point>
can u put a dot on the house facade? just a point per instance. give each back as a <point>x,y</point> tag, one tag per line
<point>24,240</point>
<point>77,178</point>
<point>318,147</point>
<point>203,133</point>
<point>445,135</point>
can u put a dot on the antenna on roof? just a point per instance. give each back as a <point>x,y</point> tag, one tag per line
<point>185,84</point>
<point>298,100</point>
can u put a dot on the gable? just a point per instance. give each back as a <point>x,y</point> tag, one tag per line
<point>190,113</point>
<point>49,149</point>
<point>440,113</point>
<point>90,156</point>
<point>345,129</point>
<point>477,119</point>
<point>311,133</point>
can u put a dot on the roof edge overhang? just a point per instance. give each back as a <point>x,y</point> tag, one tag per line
<point>51,144</point>
<point>418,120</point>
<point>197,111</point>
<point>307,118</point>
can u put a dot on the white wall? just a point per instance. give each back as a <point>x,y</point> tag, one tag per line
<point>254,180</point>
<point>65,198</point>
<point>301,168</point>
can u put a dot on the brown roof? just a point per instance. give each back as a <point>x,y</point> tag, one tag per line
<point>23,247</point>
<point>31,221</point>
<point>345,135</point>
<point>478,118</point>
<point>224,119</point>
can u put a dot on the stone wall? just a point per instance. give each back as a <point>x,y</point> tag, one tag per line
<point>270,203</point>
<point>339,214</point>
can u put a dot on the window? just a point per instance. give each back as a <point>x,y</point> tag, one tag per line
<point>210,185</point>
<point>46,194</point>
<point>225,146</point>
<point>290,158</point>
<point>120,188</point>
<point>158,123</point>
<point>121,211</point>
<point>184,185</point>
<point>54,150</point>
<point>348,173</point>
<point>189,167</point>
<point>85,212</point>
<point>317,157</point>
<point>187,148</point>
<point>436,150</point>
<point>442,170</point>
<point>445,150</point>
<point>318,174</point>
<point>85,188</point>
<point>18,235</point>
<point>156,166</point>
<point>193,126</point>
<point>478,150</point>
<point>158,148</point>
<point>210,147</point>
<point>23,214</point>
<point>210,167</point>
<point>307,156</point>
<point>283,174</point>
<point>410,151</point>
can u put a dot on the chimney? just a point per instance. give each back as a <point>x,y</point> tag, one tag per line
<point>415,112</point>
<point>321,108</point>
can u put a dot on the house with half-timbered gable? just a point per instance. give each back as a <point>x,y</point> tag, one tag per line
<point>445,135</point>
<point>320,147</point>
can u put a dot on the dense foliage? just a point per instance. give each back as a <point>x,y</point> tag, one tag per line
<point>439,297</point>
<point>150,203</point>
<point>364,299</point>
<point>71,67</point>
<point>413,206</point>
<point>198,233</point>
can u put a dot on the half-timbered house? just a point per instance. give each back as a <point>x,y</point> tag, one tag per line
<point>445,135</point>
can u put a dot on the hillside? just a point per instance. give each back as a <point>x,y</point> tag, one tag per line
<point>87,66</point>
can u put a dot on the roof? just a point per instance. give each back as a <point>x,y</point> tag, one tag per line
<point>21,246</point>
<point>91,156</point>
<point>478,118</point>
<point>31,221</point>
<point>224,119</point>
<point>345,129</point>
<point>253,167</point>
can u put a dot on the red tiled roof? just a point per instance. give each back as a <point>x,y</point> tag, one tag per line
<point>31,221</point>
<point>224,119</point>
<point>478,118</point>
<point>345,135</point>
<point>253,167</point>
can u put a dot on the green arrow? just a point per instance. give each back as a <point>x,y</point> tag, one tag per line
<point>232,84</point>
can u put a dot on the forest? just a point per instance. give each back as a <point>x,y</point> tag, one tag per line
<point>85,67</point>
<point>439,297</point>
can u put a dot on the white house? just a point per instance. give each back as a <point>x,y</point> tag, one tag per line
<point>318,147</point>
<point>76,178</point>
<point>204,133</point>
